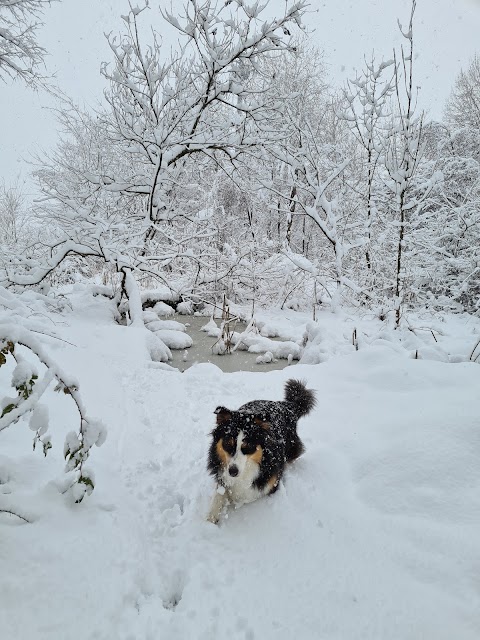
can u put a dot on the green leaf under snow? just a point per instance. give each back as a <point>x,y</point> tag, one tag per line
<point>10,407</point>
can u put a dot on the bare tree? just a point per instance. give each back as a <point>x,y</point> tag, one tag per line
<point>367,110</point>
<point>447,240</point>
<point>404,149</point>
<point>200,103</point>
<point>113,184</point>
<point>21,57</point>
<point>463,106</point>
<point>14,216</point>
<point>315,172</point>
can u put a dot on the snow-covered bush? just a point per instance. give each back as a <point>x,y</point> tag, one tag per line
<point>20,345</point>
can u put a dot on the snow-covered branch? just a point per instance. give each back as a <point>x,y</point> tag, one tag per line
<point>20,54</point>
<point>30,389</point>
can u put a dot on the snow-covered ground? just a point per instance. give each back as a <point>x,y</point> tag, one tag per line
<point>374,534</point>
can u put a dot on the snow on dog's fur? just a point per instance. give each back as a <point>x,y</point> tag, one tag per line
<point>251,446</point>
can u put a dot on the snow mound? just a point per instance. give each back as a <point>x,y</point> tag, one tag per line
<point>102,290</point>
<point>185,308</point>
<point>266,358</point>
<point>149,316</point>
<point>267,330</point>
<point>219,348</point>
<point>173,325</point>
<point>159,295</point>
<point>279,349</point>
<point>321,343</point>
<point>158,350</point>
<point>163,310</point>
<point>174,339</point>
<point>211,329</point>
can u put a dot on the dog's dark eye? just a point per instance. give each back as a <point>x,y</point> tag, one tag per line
<point>229,444</point>
<point>248,448</point>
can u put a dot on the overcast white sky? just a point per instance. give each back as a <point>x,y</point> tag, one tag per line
<point>447,34</point>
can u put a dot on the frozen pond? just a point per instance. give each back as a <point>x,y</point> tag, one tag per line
<point>201,350</point>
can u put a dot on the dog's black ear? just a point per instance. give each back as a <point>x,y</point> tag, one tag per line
<point>223,415</point>
<point>263,420</point>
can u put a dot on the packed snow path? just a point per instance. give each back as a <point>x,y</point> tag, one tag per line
<point>374,533</point>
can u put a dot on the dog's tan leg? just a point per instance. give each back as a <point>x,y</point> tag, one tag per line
<point>218,503</point>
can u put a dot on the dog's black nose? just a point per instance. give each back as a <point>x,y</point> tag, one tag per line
<point>233,470</point>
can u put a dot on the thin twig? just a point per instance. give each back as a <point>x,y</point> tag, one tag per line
<point>15,514</point>
<point>473,351</point>
<point>49,335</point>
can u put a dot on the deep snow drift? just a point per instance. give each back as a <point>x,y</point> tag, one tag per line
<point>374,534</point>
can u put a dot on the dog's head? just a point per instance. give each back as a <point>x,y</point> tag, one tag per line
<point>239,441</point>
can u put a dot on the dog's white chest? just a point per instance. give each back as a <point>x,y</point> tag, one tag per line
<point>240,489</point>
<point>242,492</point>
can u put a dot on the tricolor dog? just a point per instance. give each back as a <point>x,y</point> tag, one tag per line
<point>251,446</point>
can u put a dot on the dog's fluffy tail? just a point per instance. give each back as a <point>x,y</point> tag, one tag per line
<point>302,398</point>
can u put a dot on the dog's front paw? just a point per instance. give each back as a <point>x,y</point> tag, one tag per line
<point>214,518</point>
<point>218,503</point>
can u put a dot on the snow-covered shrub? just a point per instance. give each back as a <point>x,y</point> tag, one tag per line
<point>20,345</point>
